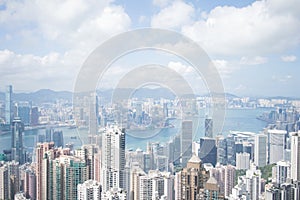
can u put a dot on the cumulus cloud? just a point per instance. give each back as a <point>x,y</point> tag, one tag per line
<point>65,31</point>
<point>30,72</point>
<point>69,24</point>
<point>290,58</point>
<point>260,28</point>
<point>173,16</point>
<point>161,3</point>
<point>257,60</point>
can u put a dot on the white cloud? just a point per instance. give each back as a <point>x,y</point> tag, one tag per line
<point>73,28</point>
<point>69,24</point>
<point>257,60</point>
<point>224,67</point>
<point>290,58</point>
<point>282,79</point>
<point>260,28</point>
<point>173,16</point>
<point>30,72</point>
<point>161,3</point>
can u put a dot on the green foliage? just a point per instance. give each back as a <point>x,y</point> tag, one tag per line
<point>238,173</point>
<point>266,172</point>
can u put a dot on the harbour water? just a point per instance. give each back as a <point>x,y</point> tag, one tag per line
<point>235,120</point>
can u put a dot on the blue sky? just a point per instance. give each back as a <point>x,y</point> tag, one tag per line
<point>254,44</point>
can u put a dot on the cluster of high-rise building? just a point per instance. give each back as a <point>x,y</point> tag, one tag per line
<point>214,167</point>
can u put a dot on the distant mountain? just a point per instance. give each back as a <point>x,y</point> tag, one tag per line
<point>139,93</point>
<point>40,96</point>
<point>47,95</point>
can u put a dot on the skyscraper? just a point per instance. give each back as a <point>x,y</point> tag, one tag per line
<point>208,150</point>
<point>58,138</point>
<point>113,158</point>
<point>276,144</point>
<point>8,104</point>
<point>24,109</point>
<point>186,141</point>
<point>295,157</point>
<point>4,182</point>
<point>17,148</point>
<point>208,127</point>
<point>260,150</point>
<point>41,169</point>
<point>190,179</point>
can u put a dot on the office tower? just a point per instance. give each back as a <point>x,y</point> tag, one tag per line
<point>190,179</point>
<point>295,157</point>
<point>113,158</point>
<point>282,172</point>
<point>34,117</point>
<point>208,150</point>
<point>4,183</point>
<point>89,190</point>
<point>208,128</point>
<point>242,161</point>
<point>24,112</point>
<point>222,151</point>
<point>276,144</point>
<point>260,150</point>
<point>175,150</point>
<point>48,134</point>
<point>186,142</point>
<point>93,114</point>
<point>17,148</point>
<point>58,138</point>
<point>248,148</point>
<point>8,104</point>
<point>231,152</point>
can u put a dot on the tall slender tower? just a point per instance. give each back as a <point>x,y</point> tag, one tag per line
<point>260,150</point>
<point>113,158</point>
<point>295,157</point>
<point>208,127</point>
<point>186,141</point>
<point>17,148</point>
<point>8,104</point>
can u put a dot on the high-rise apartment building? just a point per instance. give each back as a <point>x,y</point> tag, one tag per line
<point>89,190</point>
<point>260,150</point>
<point>295,156</point>
<point>154,185</point>
<point>113,158</point>
<point>41,169</point>
<point>186,141</point>
<point>4,183</point>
